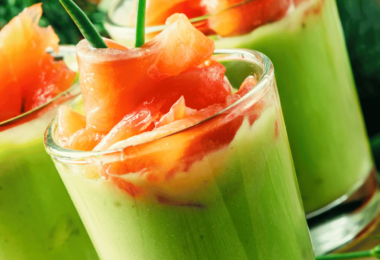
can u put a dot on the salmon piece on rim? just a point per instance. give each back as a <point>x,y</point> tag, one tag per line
<point>114,80</point>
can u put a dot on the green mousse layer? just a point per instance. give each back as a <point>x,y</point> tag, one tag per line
<point>246,205</point>
<point>38,221</point>
<point>319,100</point>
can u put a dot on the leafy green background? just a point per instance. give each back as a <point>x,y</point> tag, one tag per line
<point>55,15</point>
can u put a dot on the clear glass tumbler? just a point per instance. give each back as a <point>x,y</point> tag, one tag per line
<point>38,221</point>
<point>224,188</point>
<point>329,144</point>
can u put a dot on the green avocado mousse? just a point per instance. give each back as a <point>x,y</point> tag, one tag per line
<point>171,160</point>
<point>38,221</point>
<point>334,165</point>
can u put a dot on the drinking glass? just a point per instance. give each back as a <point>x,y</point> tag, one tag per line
<point>37,218</point>
<point>223,188</point>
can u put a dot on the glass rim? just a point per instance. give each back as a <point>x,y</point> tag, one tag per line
<point>65,48</point>
<point>108,22</point>
<point>77,157</point>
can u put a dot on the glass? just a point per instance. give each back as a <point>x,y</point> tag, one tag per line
<point>235,197</point>
<point>37,218</point>
<point>330,148</point>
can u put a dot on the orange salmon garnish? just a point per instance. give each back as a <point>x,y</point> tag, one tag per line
<point>30,77</point>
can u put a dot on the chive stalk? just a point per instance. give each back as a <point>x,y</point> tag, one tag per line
<point>375,252</point>
<point>84,24</point>
<point>140,23</point>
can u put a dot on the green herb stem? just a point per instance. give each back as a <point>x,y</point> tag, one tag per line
<point>84,24</point>
<point>140,23</point>
<point>375,252</point>
<point>353,255</point>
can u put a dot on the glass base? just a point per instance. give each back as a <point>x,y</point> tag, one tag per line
<point>346,219</point>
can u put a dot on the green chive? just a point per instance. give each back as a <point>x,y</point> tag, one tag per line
<point>140,23</point>
<point>375,252</point>
<point>84,24</point>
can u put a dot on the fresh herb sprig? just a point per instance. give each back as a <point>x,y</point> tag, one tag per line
<point>84,24</point>
<point>140,23</point>
<point>375,252</point>
<point>91,34</point>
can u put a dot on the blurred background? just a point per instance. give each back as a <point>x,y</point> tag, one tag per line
<point>55,15</point>
<point>360,22</point>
